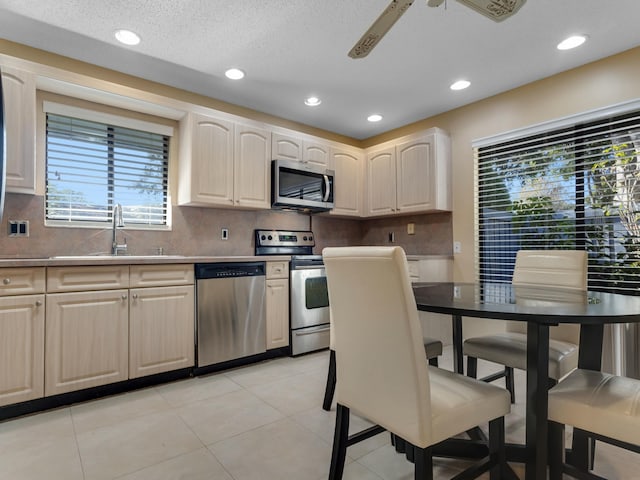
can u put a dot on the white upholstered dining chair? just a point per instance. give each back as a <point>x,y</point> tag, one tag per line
<point>383,375</point>
<point>432,350</point>
<point>604,405</point>
<point>557,268</point>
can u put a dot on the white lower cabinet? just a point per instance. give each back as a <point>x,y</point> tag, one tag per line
<point>160,329</point>
<point>96,335</point>
<point>87,338</point>
<point>277,307</point>
<point>277,304</point>
<point>433,269</point>
<point>21,348</point>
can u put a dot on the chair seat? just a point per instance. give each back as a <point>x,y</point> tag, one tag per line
<point>510,349</point>
<point>598,402</point>
<point>460,403</point>
<point>432,347</point>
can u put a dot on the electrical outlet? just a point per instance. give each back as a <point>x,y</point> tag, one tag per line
<point>457,247</point>
<point>18,228</point>
<point>411,228</point>
<point>225,234</point>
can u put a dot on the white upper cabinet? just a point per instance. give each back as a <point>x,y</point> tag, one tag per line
<point>223,163</point>
<point>20,122</point>
<point>348,165</point>
<point>316,153</point>
<point>381,181</point>
<point>410,175</point>
<point>300,148</point>
<point>252,167</point>
<point>286,147</point>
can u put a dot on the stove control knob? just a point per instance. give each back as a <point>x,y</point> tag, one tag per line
<point>270,237</point>
<point>310,239</point>
<point>263,237</point>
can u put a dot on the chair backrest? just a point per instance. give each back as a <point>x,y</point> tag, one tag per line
<point>381,370</point>
<point>558,268</point>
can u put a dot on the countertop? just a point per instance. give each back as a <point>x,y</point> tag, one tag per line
<point>80,260</point>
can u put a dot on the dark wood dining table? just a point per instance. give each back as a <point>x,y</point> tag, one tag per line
<point>540,308</point>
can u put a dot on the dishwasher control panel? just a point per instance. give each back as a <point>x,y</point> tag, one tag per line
<point>228,270</point>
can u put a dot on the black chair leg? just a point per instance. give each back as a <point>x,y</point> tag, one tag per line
<point>331,382</point>
<point>497,449</point>
<point>340,439</point>
<point>423,463</point>
<point>433,361</point>
<point>510,383</point>
<point>556,450</point>
<point>472,367</point>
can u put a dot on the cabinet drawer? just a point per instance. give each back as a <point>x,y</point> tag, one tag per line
<point>161,275</point>
<point>277,270</point>
<point>22,281</point>
<point>74,279</point>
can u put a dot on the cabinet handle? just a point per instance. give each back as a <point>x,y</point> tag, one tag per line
<point>134,296</point>
<point>38,303</point>
<point>124,296</point>
<point>6,281</point>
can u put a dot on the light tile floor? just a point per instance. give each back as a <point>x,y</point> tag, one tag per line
<point>260,422</point>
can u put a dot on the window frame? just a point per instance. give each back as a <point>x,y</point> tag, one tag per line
<point>115,117</point>
<point>599,116</point>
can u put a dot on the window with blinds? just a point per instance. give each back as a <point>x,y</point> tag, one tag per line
<point>575,187</point>
<point>91,166</point>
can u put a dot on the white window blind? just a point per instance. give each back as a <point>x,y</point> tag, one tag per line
<point>574,187</point>
<point>91,166</point>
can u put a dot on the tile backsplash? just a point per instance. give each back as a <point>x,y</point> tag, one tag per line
<point>197,231</point>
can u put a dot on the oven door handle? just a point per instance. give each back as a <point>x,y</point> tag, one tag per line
<point>311,331</point>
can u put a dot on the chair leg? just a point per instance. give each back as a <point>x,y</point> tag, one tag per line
<point>433,361</point>
<point>556,450</point>
<point>497,449</point>
<point>340,439</point>
<point>472,367</point>
<point>510,383</point>
<point>331,382</point>
<point>423,463</point>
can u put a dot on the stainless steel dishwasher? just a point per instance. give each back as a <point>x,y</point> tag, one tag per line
<point>230,305</point>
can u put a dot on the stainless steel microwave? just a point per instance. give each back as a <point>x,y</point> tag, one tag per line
<point>301,186</point>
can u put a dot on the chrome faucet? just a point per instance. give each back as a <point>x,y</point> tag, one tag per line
<point>118,222</point>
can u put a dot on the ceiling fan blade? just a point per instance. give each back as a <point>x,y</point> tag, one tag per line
<point>379,28</point>
<point>496,10</point>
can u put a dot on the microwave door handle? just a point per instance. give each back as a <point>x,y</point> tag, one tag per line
<point>327,188</point>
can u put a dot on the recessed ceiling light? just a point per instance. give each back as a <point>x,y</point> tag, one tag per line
<point>312,101</point>
<point>374,118</point>
<point>234,74</point>
<point>460,85</point>
<point>127,37</point>
<point>572,42</point>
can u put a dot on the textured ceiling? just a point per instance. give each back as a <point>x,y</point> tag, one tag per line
<point>293,49</point>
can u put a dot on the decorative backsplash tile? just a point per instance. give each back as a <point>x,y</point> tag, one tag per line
<point>197,231</point>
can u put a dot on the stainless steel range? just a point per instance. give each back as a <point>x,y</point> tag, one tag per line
<point>309,300</point>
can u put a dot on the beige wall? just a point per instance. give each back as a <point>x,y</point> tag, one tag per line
<point>600,84</point>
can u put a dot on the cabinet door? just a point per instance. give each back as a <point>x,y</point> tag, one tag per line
<point>348,197</point>
<point>277,307</point>
<point>415,172</point>
<point>87,339</point>
<point>212,161</point>
<point>316,153</point>
<point>285,146</point>
<point>252,167</point>
<point>21,348</point>
<point>161,326</point>
<point>381,181</point>
<point>19,90</point>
